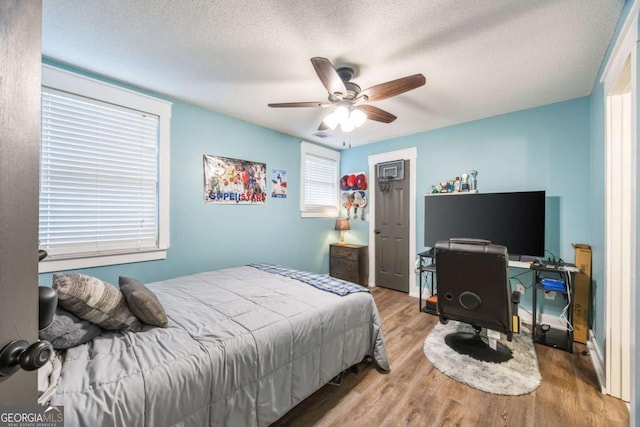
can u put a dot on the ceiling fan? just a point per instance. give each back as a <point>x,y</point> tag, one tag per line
<point>351,101</point>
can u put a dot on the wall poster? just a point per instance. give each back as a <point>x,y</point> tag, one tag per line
<point>234,181</point>
<point>279,183</point>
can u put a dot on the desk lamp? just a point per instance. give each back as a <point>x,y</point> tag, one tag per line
<point>342,225</point>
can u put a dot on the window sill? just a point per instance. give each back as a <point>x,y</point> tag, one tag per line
<point>52,265</point>
<point>326,214</point>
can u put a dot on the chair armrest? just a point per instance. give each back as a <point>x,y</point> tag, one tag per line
<point>515,298</point>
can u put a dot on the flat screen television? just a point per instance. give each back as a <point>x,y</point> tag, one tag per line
<point>515,220</point>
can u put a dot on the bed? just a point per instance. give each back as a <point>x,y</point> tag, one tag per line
<point>243,346</point>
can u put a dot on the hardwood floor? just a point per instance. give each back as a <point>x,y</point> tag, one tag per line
<point>415,393</point>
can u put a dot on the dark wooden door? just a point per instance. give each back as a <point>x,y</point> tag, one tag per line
<point>20,70</point>
<point>392,234</point>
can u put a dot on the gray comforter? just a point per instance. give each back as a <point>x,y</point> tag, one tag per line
<point>243,347</point>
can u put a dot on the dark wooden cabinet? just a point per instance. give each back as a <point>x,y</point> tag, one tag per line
<point>349,262</point>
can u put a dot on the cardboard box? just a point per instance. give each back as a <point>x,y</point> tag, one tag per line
<point>583,258</point>
<point>581,293</point>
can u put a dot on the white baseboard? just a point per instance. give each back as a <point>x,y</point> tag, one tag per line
<point>415,291</point>
<point>597,360</point>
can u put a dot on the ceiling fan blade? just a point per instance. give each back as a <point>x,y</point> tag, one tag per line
<point>298,104</point>
<point>393,88</point>
<point>328,75</point>
<point>377,114</point>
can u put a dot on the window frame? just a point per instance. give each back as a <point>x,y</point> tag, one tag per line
<point>82,86</point>
<point>306,149</point>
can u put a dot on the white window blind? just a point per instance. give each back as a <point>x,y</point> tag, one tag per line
<point>99,177</point>
<point>320,181</point>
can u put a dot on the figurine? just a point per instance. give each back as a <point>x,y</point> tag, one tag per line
<point>465,182</point>
<point>456,184</point>
<point>451,185</point>
<point>473,182</point>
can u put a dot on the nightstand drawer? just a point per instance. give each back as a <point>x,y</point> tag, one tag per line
<point>344,269</point>
<point>340,271</point>
<point>344,253</point>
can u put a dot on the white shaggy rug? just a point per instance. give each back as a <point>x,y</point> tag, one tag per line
<point>519,375</point>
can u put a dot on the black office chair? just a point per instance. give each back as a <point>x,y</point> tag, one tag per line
<point>474,288</point>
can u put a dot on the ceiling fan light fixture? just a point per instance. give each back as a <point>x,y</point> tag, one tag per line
<point>342,114</point>
<point>331,121</point>
<point>357,117</point>
<point>348,98</point>
<point>347,126</point>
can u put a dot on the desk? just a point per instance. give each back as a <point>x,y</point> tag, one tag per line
<point>562,339</point>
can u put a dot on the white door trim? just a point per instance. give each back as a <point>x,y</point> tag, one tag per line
<point>624,44</point>
<point>410,154</point>
<point>620,214</point>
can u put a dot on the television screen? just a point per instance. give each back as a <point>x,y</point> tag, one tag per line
<point>515,220</point>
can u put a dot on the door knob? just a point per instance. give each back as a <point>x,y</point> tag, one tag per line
<point>19,354</point>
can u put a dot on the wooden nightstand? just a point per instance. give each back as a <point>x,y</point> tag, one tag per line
<point>349,262</point>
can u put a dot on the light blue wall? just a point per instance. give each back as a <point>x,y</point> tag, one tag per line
<point>206,237</point>
<point>544,148</point>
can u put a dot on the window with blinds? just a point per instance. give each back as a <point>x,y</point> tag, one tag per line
<point>100,179</point>
<point>320,168</point>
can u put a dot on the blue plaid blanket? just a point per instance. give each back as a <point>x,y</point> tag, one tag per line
<point>319,281</point>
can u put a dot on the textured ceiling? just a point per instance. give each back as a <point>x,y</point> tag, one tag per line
<point>481,57</point>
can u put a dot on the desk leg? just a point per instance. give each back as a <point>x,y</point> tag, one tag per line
<point>420,292</point>
<point>534,306</point>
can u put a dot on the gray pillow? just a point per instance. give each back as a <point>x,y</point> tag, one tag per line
<point>66,330</point>
<point>94,300</point>
<point>143,303</point>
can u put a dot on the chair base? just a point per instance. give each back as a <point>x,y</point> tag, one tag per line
<point>473,346</point>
